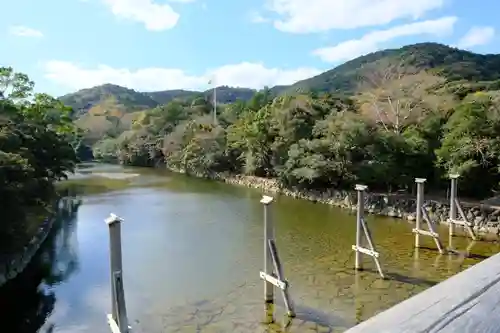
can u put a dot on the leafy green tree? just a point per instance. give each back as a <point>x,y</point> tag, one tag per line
<point>471,144</point>
<point>36,143</point>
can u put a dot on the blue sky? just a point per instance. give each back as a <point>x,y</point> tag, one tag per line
<point>66,45</point>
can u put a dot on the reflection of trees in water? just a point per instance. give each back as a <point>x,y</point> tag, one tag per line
<point>27,301</point>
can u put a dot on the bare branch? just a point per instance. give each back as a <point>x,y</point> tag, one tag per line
<point>397,95</point>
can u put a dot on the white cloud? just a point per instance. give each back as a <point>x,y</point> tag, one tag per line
<point>477,36</point>
<point>374,41</point>
<point>256,17</point>
<point>155,17</point>
<point>24,31</point>
<point>306,16</point>
<point>245,74</point>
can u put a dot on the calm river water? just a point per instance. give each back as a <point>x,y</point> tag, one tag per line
<point>192,252</point>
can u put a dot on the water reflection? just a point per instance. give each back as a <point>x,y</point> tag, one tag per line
<point>27,301</point>
<point>192,252</point>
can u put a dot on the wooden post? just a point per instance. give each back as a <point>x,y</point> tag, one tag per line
<point>273,270</point>
<point>453,207</point>
<point>420,201</point>
<point>358,265</point>
<point>278,269</point>
<point>268,260</point>
<point>361,227</point>
<point>422,215</point>
<point>118,317</point>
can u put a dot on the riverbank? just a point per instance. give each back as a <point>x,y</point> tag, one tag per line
<point>12,265</point>
<point>485,218</point>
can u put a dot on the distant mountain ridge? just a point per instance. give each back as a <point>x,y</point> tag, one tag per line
<point>84,100</point>
<point>452,63</point>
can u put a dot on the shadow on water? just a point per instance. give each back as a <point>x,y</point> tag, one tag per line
<point>27,301</point>
<point>416,281</point>
<point>305,314</point>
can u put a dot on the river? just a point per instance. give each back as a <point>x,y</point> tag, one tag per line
<point>192,252</point>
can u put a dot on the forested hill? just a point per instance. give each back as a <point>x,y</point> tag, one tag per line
<point>452,63</point>
<point>423,110</point>
<point>130,100</point>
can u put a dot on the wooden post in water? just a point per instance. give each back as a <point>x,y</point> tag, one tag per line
<point>268,260</point>
<point>273,270</point>
<point>362,228</point>
<point>456,207</point>
<point>420,199</point>
<point>358,265</point>
<point>453,207</point>
<point>422,214</point>
<point>117,319</point>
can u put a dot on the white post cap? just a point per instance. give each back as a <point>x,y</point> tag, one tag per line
<point>359,187</point>
<point>266,200</point>
<point>113,218</point>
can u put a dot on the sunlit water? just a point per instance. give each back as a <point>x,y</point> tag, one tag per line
<point>192,252</point>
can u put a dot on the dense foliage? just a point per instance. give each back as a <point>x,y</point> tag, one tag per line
<point>452,63</point>
<point>384,137</point>
<point>111,109</point>
<point>83,100</point>
<point>38,146</point>
<point>423,110</point>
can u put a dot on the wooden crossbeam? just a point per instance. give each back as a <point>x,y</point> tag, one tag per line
<point>422,214</point>
<point>369,239</point>
<point>454,207</point>
<point>458,222</point>
<point>425,233</point>
<point>278,270</point>
<point>434,234</point>
<point>365,251</point>
<point>467,223</point>
<point>362,230</point>
<point>273,270</point>
<point>275,281</point>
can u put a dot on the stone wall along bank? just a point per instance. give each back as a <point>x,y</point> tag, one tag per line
<point>12,265</point>
<point>485,219</point>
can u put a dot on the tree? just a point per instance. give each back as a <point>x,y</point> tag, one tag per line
<point>196,147</point>
<point>395,95</point>
<point>333,157</point>
<point>471,144</point>
<point>36,143</point>
<point>14,86</point>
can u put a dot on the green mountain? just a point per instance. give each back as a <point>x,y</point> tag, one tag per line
<point>452,63</point>
<point>165,96</point>
<point>456,65</point>
<point>83,101</point>
<point>109,107</point>
<point>225,94</point>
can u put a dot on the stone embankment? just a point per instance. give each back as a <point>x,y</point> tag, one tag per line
<point>13,265</point>
<point>485,218</point>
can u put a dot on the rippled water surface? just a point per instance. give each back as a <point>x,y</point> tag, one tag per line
<point>192,252</point>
